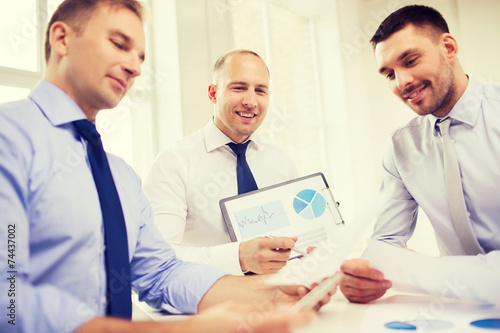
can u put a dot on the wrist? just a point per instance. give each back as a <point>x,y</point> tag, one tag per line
<point>241,250</point>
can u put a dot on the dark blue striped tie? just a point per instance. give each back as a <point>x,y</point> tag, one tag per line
<point>115,232</point>
<point>246,182</point>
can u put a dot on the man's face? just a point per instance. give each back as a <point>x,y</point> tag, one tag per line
<point>241,96</point>
<point>102,62</point>
<point>418,71</point>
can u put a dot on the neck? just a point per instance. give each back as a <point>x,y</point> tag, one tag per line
<point>53,76</point>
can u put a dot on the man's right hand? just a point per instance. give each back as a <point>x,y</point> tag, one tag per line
<point>362,284</point>
<point>263,255</point>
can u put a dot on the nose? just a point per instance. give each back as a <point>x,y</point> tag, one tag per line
<point>403,79</point>
<point>249,99</point>
<point>132,65</point>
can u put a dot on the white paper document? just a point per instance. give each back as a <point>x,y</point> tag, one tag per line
<point>326,259</point>
<point>446,276</point>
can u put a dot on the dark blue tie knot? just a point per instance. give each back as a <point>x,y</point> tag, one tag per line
<point>239,148</point>
<point>88,131</point>
<point>246,182</point>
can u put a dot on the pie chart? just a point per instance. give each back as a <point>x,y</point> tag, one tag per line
<point>309,204</point>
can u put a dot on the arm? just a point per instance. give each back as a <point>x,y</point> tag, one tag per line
<point>397,218</point>
<point>395,225</point>
<point>166,188</point>
<point>225,318</point>
<point>490,260</point>
<point>38,308</point>
<point>253,291</point>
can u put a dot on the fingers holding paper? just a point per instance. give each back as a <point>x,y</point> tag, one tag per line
<point>360,283</point>
<point>264,255</point>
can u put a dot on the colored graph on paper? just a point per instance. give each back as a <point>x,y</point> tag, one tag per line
<point>309,204</point>
<point>261,220</point>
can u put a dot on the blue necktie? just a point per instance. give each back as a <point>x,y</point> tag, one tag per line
<point>115,232</point>
<point>246,182</point>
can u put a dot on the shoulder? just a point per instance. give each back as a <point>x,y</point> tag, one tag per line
<point>22,123</point>
<point>412,131</point>
<point>185,146</point>
<point>178,158</point>
<point>492,92</point>
<point>19,112</point>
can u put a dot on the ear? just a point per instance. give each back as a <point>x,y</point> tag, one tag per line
<point>59,38</point>
<point>450,46</point>
<point>212,93</point>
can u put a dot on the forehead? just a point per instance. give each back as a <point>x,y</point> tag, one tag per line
<point>108,18</point>
<point>245,67</point>
<point>394,47</point>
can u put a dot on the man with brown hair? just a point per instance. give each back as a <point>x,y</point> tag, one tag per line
<point>445,161</point>
<point>80,229</point>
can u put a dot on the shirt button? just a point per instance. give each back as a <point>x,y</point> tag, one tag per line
<point>452,141</point>
<point>104,300</point>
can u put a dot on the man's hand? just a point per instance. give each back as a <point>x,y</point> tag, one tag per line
<point>264,255</point>
<point>254,290</point>
<point>236,316</point>
<point>292,294</point>
<point>362,284</point>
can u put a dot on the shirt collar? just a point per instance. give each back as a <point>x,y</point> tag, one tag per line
<point>467,109</point>
<point>55,104</point>
<point>215,138</point>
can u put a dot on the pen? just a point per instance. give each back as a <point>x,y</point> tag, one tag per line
<point>293,249</point>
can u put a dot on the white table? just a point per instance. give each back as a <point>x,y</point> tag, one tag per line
<point>345,317</point>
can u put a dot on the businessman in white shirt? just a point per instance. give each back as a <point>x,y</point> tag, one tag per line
<point>186,183</point>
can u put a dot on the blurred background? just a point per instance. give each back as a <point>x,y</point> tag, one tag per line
<point>330,109</point>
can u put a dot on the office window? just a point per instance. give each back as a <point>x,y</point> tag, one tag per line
<point>124,130</point>
<point>285,39</point>
<point>19,36</point>
<point>8,94</point>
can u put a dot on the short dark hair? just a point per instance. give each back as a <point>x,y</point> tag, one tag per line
<point>417,15</point>
<point>76,13</point>
<point>219,64</point>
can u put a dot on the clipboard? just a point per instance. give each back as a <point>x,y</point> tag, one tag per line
<point>302,207</point>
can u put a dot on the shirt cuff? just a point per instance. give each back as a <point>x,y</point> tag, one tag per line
<point>227,257</point>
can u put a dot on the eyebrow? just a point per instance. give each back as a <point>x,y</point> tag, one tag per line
<point>127,40</point>
<point>243,83</point>
<point>401,57</point>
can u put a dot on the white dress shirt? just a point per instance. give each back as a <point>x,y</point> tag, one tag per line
<point>186,183</point>
<point>414,173</point>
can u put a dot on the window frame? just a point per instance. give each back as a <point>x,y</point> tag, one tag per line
<point>13,77</point>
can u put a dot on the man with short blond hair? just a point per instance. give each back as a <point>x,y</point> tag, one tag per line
<point>187,182</point>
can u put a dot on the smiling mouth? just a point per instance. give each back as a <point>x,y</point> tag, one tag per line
<point>415,95</point>
<point>246,114</point>
<point>120,82</point>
